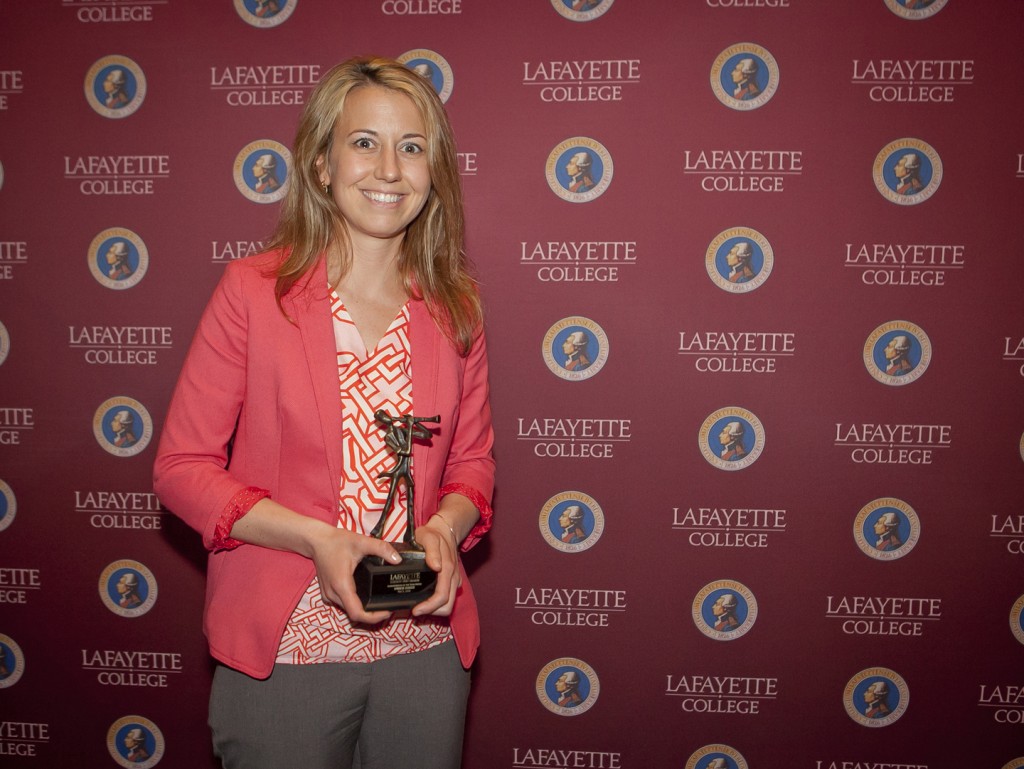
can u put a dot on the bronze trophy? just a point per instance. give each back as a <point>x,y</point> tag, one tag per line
<point>384,585</point>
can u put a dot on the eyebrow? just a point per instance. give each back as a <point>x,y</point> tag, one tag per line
<point>377,133</point>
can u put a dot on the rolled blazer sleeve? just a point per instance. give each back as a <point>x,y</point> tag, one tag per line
<point>469,469</point>
<point>190,475</point>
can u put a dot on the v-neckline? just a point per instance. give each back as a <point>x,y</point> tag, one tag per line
<point>342,311</point>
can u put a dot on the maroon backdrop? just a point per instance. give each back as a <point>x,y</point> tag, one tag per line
<point>873,171</point>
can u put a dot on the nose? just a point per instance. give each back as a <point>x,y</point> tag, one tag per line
<point>387,165</point>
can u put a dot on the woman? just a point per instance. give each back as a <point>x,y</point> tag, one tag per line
<point>364,291</point>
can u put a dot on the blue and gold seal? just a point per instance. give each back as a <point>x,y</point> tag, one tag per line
<point>568,686</point>
<point>433,68</point>
<point>115,86</point>
<point>724,610</point>
<point>744,76</point>
<point>128,588</point>
<point>571,522</point>
<point>907,171</point>
<point>876,697</point>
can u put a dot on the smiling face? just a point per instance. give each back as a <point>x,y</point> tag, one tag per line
<point>377,165</point>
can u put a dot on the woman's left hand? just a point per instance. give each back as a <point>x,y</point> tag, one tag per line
<point>443,557</point>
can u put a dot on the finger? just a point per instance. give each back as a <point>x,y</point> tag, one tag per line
<point>445,609</point>
<point>353,607</point>
<point>434,602</point>
<point>382,549</point>
<point>442,601</point>
<point>435,547</point>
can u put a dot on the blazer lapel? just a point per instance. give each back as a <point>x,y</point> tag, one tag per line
<point>423,338</point>
<point>309,306</point>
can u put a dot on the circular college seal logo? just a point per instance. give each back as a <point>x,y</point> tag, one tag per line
<point>8,505</point>
<point>568,686</point>
<point>907,171</point>
<point>724,610</point>
<point>5,343</point>
<point>1017,763</point>
<point>876,697</point>
<point>135,742</point>
<point>118,258</point>
<point>739,259</point>
<point>265,13</point>
<point>575,348</point>
<point>744,76</point>
<point>896,353</point>
<point>261,171</point>
<point>582,10</point>
<point>571,522</point>
<point>1017,619</point>
<point>886,529</point>
<point>115,86</point>
<point>432,67</point>
<point>128,588</point>
<point>579,169</point>
<point>122,426</point>
<point>12,662</point>
<point>731,438</point>
<point>716,757</point>
<point>915,9</point>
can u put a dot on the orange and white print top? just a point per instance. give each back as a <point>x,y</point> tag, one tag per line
<point>381,379</point>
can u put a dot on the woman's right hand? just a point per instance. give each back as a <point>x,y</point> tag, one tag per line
<point>335,551</point>
<point>335,554</point>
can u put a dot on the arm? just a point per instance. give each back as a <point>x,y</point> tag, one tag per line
<point>190,474</point>
<point>469,469</point>
<point>334,551</point>
<point>441,536</point>
<point>464,513</point>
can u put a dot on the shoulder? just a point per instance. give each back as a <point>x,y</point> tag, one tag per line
<point>262,266</point>
<point>246,285</point>
<point>253,277</point>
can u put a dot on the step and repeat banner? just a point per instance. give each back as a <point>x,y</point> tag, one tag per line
<point>753,275</point>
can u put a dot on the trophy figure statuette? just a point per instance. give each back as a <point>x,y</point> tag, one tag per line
<point>383,585</point>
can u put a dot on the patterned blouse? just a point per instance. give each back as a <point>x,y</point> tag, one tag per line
<point>381,379</point>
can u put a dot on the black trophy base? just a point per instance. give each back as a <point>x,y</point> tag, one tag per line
<point>386,586</point>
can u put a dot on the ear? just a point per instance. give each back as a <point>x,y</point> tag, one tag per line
<point>321,169</point>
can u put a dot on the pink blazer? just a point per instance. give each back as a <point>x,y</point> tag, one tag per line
<point>272,385</point>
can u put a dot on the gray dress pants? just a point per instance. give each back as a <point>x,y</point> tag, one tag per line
<point>403,712</point>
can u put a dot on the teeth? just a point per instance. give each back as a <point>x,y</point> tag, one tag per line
<point>381,197</point>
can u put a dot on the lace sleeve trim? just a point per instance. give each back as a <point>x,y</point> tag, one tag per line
<point>478,500</point>
<point>239,505</point>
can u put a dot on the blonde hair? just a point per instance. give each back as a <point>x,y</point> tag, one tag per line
<point>432,263</point>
